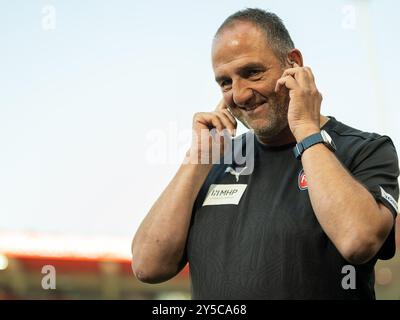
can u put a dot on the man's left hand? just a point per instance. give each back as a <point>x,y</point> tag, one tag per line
<point>305,101</point>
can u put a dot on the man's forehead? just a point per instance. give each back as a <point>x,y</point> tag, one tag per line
<point>238,34</point>
<point>240,39</point>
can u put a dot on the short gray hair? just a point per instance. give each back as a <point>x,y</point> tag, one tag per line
<point>277,36</point>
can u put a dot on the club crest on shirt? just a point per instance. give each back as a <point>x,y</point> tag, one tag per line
<point>302,180</point>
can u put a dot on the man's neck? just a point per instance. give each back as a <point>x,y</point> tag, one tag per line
<point>285,136</point>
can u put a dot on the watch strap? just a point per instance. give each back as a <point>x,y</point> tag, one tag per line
<point>307,143</point>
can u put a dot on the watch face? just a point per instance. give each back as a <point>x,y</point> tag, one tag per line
<point>328,140</point>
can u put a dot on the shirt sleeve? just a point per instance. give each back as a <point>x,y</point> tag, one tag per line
<point>376,167</point>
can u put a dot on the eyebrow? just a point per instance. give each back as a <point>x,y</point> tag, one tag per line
<point>243,69</point>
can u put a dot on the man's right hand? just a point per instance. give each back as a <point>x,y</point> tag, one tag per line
<point>210,129</point>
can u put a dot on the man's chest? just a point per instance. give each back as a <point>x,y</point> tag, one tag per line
<point>267,206</point>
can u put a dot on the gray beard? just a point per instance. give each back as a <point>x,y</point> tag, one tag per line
<point>278,123</point>
<point>268,133</point>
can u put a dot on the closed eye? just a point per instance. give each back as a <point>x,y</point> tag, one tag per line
<point>252,73</point>
<point>224,84</point>
<point>252,70</point>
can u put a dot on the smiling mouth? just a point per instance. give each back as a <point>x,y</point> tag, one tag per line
<point>254,108</point>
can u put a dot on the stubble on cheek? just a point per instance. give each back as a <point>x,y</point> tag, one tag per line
<point>276,118</point>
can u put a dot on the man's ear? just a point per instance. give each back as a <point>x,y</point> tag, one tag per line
<point>295,56</point>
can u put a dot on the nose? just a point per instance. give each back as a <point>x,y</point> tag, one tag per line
<point>242,95</point>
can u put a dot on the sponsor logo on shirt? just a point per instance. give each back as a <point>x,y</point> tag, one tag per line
<point>302,180</point>
<point>224,194</point>
<point>234,172</point>
<point>389,198</point>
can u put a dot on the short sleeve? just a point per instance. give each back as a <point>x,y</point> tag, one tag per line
<point>376,167</point>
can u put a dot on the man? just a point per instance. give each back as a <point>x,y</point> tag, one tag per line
<point>309,221</point>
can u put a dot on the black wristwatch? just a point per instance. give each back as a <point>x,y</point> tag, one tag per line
<point>320,137</point>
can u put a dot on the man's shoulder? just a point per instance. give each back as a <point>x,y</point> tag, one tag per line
<point>355,146</point>
<point>343,133</point>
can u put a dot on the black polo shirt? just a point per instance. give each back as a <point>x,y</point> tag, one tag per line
<point>270,245</point>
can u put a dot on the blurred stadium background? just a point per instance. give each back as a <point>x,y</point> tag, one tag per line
<point>86,268</point>
<point>85,83</point>
<point>100,268</point>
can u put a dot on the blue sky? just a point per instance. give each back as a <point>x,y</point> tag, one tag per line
<point>79,102</point>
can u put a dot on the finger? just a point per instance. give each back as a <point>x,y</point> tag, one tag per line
<point>288,81</point>
<point>230,113</point>
<point>290,72</point>
<point>210,120</point>
<point>230,116</point>
<point>300,74</point>
<point>310,73</point>
<point>221,106</point>
<point>295,65</point>
<point>217,123</point>
<point>227,122</point>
